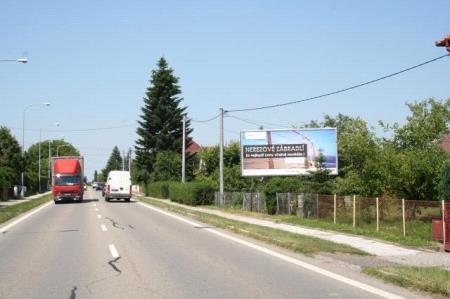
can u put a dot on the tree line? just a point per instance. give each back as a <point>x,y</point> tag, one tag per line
<point>13,163</point>
<point>406,162</point>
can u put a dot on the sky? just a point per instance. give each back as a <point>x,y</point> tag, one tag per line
<point>92,61</point>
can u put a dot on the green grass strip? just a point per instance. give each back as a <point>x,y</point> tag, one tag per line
<point>428,279</point>
<point>295,242</point>
<point>420,232</point>
<point>10,212</point>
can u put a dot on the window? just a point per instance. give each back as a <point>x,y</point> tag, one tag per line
<point>67,180</point>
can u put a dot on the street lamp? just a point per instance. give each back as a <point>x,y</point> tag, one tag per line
<point>22,193</point>
<point>49,150</point>
<point>21,60</point>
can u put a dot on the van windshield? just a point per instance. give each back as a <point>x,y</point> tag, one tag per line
<point>67,180</point>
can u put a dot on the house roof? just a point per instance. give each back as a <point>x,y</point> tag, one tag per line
<point>445,142</point>
<point>193,147</point>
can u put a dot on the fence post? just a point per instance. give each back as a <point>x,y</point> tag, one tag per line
<point>378,214</point>
<point>258,203</point>
<point>354,210</point>
<point>404,217</point>
<point>443,223</point>
<point>289,203</point>
<point>317,203</point>
<point>278,205</point>
<point>334,209</point>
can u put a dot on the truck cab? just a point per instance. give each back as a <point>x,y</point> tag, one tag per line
<point>67,179</point>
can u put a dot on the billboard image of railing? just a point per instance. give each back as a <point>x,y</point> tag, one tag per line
<point>288,152</point>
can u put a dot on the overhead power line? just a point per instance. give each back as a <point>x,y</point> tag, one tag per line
<point>77,130</point>
<point>260,123</point>
<point>217,127</point>
<point>92,129</point>
<point>340,90</point>
<point>205,120</point>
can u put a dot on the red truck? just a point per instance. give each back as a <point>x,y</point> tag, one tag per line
<point>67,178</point>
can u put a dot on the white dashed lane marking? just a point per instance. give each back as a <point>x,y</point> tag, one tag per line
<point>113,250</point>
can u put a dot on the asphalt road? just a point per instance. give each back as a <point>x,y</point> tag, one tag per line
<point>112,250</point>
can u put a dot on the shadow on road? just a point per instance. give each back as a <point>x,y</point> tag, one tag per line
<point>120,201</point>
<point>87,200</point>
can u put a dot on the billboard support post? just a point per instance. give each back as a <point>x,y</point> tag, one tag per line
<point>221,157</point>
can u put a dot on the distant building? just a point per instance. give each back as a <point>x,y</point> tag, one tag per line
<point>193,148</point>
<point>445,142</point>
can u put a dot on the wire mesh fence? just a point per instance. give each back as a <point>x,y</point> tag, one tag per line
<point>303,205</point>
<point>397,216</point>
<point>388,215</point>
<point>247,201</point>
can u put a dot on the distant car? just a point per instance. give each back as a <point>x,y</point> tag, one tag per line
<point>99,186</point>
<point>118,185</point>
<point>94,185</point>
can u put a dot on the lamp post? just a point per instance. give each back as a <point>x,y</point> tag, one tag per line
<point>22,193</point>
<point>21,60</point>
<point>49,153</point>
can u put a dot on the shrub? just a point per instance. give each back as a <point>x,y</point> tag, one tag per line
<point>192,193</point>
<point>280,185</point>
<point>167,166</point>
<point>444,184</point>
<point>158,189</point>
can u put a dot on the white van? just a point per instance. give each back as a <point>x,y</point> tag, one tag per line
<point>118,185</point>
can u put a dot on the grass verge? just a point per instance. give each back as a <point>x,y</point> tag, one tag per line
<point>10,212</point>
<point>295,242</point>
<point>420,233</point>
<point>434,280</point>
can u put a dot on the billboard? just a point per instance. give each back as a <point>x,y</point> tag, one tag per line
<point>287,152</point>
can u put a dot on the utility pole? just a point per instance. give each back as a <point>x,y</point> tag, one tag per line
<point>221,157</point>
<point>49,162</point>
<point>129,160</point>
<point>123,160</point>
<point>39,163</point>
<point>183,152</point>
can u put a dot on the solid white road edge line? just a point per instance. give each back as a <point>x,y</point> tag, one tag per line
<point>286,258</point>
<point>99,216</point>
<point>104,228</point>
<point>113,250</point>
<point>8,226</point>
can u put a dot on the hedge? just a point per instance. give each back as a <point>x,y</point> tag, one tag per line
<point>192,193</point>
<point>279,184</point>
<point>158,189</point>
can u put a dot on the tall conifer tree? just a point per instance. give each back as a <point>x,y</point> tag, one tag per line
<point>114,162</point>
<point>160,126</point>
